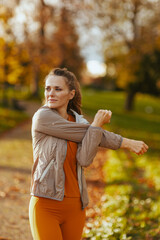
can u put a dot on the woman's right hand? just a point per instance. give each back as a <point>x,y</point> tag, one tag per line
<point>101,117</point>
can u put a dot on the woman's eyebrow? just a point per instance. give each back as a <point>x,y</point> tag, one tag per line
<point>53,86</point>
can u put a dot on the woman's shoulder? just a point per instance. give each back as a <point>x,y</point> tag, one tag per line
<point>41,111</point>
<point>44,112</point>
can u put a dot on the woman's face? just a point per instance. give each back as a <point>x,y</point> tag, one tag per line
<point>57,93</point>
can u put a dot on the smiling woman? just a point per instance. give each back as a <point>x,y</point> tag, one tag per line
<point>57,94</point>
<point>62,88</point>
<point>63,144</point>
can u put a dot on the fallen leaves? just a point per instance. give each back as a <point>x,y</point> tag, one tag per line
<point>130,205</point>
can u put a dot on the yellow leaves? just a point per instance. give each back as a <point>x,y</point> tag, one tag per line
<point>5,14</point>
<point>127,67</point>
<point>10,65</point>
<point>2,42</point>
<point>13,76</point>
<point>123,78</point>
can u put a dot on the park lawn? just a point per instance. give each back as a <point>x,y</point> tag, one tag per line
<point>142,123</point>
<point>130,207</point>
<point>10,118</point>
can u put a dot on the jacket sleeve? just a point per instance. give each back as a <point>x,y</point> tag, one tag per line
<point>49,122</point>
<point>88,148</point>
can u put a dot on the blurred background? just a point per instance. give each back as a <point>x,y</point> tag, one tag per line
<point>113,47</point>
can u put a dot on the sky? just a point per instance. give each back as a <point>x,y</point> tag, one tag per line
<point>90,41</point>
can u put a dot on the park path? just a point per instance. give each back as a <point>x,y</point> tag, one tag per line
<point>15,169</point>
<point>15,165</point>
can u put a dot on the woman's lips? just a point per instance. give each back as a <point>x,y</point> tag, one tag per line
<point>52,100</point>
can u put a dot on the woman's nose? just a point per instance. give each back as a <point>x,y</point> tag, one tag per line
<point>52,92</point>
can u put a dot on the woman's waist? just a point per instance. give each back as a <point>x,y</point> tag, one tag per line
<point>52,203</point>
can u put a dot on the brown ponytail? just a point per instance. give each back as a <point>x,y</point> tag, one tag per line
<point>72,83</point>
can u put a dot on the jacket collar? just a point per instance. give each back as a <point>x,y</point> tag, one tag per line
<point>79,118</point>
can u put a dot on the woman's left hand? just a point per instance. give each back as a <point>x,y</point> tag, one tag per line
<point>138,147</point>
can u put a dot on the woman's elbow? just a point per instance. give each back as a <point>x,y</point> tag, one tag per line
<point>84,162</point>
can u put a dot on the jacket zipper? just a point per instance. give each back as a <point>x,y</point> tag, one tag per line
<point>81,189</point>
<point>81,192</point>
<point>79,172</point>
<point>63,170</point>
<point>46,170</point>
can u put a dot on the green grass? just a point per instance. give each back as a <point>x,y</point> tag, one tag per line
<point>130,207</point>
<point>17,93</point>
<point>142,123</point>
<point>10,118</point>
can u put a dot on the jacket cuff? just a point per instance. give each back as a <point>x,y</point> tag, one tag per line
<point>96,127</point>
<point>121,142</point>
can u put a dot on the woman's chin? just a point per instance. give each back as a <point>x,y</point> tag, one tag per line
<point>51,105</point>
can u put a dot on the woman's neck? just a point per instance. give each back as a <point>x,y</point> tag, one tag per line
<point>63,113</point>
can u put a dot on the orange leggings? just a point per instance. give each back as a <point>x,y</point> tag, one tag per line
<point>56,220</point>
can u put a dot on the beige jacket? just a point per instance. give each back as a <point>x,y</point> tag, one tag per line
<point>50,133</point>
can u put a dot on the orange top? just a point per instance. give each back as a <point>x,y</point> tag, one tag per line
<point>71,181</point>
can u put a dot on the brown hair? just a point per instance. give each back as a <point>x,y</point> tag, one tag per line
<point>72,83</point>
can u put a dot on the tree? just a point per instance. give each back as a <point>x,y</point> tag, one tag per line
<point>129,29</point>
<point>135,45</point>
<point>10,68</point>
<point>67,47</point>
<point>148,73</point>
<point>38,46</point>
<point>53,44</point>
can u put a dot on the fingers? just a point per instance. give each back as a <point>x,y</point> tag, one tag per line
<point>109,113</point>
<point>142,152</point>
<point>143,148</point>
<point>146,146</point>
<point>102,111</point>
<point>106,114</point>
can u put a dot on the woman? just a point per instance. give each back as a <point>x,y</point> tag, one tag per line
<point>63,144</point>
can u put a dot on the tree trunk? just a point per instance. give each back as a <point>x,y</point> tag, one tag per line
<point>5,102</point>
<point>35,84</point>
<point>129,104</point>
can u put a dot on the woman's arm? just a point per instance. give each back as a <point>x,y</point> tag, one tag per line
<point>87,149</point>
<point>138,147</point>
<point>49,122</point>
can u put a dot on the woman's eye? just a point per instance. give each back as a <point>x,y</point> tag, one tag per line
<point>58,89</point>
<point>47,89</point>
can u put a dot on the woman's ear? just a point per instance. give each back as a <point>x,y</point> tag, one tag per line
<point>72,94</point>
